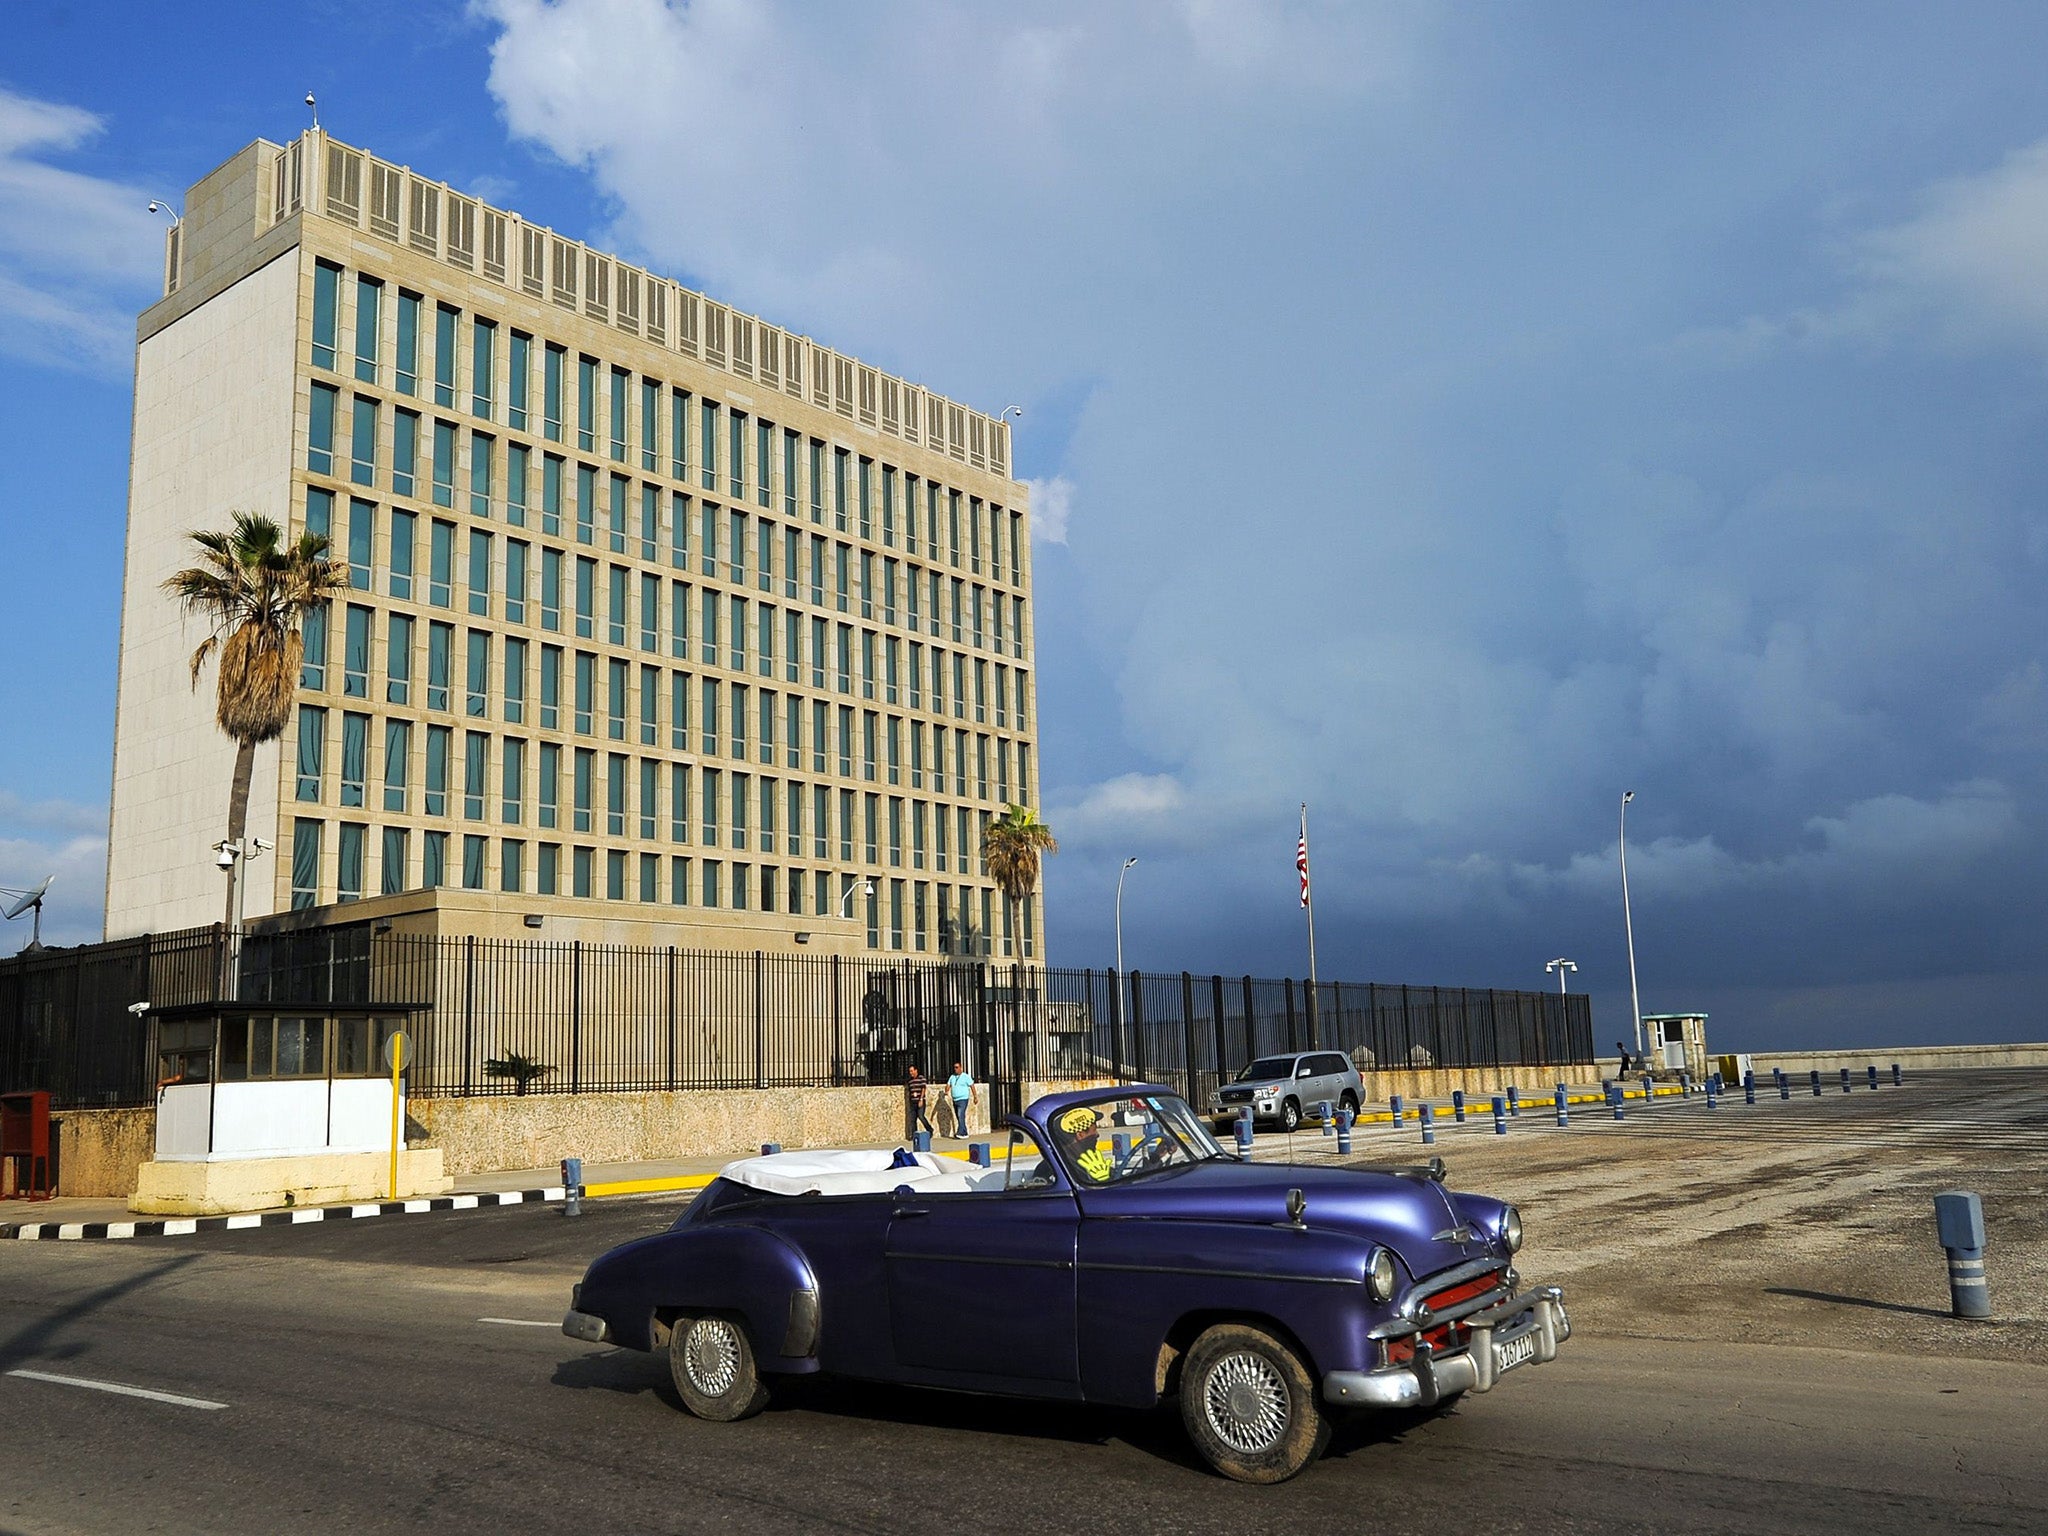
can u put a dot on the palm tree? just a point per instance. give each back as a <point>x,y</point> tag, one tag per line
<point>1011,845</point>
<point>253,590</point>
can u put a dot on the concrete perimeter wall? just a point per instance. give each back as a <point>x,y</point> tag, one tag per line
<point>1913,1058</point>
<point>99,1150</point>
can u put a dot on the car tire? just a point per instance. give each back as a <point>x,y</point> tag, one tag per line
<point>712,1364</point>
<point>1290,1115</point>
<point>1349,1102</point>
<point>1249,1405</point>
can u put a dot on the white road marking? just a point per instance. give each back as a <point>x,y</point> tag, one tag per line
<point>117,1387</point>
<point>464,1203</point>
<point>242,1223</point>
<point>182,1228</point>
<point>518,1322</point>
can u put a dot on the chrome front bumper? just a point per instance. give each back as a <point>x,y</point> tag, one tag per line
<point>1426,1381</point>
<point>582,1325</point>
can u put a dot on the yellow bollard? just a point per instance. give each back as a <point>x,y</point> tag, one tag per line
<point>397,1051</point>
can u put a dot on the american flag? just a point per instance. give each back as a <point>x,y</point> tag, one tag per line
<point>1301,860</point>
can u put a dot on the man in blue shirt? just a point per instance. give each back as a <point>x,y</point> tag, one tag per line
<point>961,1086</point>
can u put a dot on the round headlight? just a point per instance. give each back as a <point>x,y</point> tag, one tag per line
<point>1380,1278</point>
<point>1511,1230</point>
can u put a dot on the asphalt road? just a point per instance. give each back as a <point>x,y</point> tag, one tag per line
<point>1760,1348</point>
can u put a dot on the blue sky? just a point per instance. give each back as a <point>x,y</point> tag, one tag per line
<point>1448,416</point>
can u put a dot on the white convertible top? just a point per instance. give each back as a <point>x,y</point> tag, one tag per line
<point>855,1173</point>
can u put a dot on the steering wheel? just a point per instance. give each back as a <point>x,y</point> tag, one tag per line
<point>1150,1151</point>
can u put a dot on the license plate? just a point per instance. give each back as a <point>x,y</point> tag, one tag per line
<point>1510,1353</point>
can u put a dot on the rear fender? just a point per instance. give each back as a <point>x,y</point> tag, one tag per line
<point>744,1272</point>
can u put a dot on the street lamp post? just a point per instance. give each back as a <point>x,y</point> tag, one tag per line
<point>1120,950</point>
<point>1635,1001</point>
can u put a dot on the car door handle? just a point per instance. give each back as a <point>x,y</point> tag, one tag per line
<point>902,1211</point>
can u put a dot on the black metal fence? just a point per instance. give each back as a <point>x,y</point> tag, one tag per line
<point>613,1018</point>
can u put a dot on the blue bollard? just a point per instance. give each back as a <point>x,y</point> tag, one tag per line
<point>1344,1132</point>
<point>1898,1077</point>
<point>1428,1116</point>
<point>572,1186</point>
<point>1514,1100</point>
<point>1815,1075</point>
<point>1873,1078</point>
<point>1713,1093</point>
<point>1614,1099</point>
<point>1784,1085</point>
<point>1244,1134</point>
<point>1714,1081</point>
<point>1749,1087</point>
<point>1500,1115</point>
<point>1324,1114</point>
<point>1120,1146</point>
<point>1959,1221</point>
<point>1778,1076</point>
<point>1564,1112</point>
<point>922,1141</point>
<point>977,1154</point>
<point>1458,1105</point>
<point>1845,1081</point>
<point>1649,1090</point>
<point>1394,1104</point>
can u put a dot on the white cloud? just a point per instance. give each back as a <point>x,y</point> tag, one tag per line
<point>1052,504</point>
<point>1121,812</point>
<point>50,815</point>
<point>77,252</point>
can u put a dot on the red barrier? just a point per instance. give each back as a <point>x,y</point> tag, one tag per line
<point>25,1143</point>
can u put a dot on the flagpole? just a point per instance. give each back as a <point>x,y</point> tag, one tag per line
<point>1308,900</point>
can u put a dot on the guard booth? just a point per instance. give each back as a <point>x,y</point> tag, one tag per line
<point>1677,1042</point>
<point>277,1103</point>
<point>25,1172</point>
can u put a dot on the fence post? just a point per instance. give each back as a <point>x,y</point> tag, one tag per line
<point>1251,1027</point>
<point>760,1027</point>
<point>468,1009</point>
<point>839,1011</point>
<point>1222,1056</point>
<point>671,1018</point>
<point>1136,1016</point>
<point>1187,1020</point>
<point>576,1016</point>
<point>1293,1041</point>
<point>1312,992</point>
<point>1119,1024</point>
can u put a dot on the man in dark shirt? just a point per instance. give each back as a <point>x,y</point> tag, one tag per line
<point>915,1089</point>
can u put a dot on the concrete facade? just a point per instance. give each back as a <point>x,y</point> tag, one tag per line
<point>655,604</point>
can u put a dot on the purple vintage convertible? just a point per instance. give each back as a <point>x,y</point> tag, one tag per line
<point>1115,1253</point>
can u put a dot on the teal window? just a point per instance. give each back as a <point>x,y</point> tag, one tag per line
<point>547,870</point>
<point>362,541</point>
<point>817,481</point>
<point>320,430</point>
<point>355,653</point>
<point>355,750</point>
<point>736,548</point>
<point>764,555</point>
<point>512,783</point>
<point>515,680</point>
<point>475,769</point>
<point>764,459</point>
<point>517,553</point>
<point>397,755</point>
<point>439,738</point>
<point>615,796</point>
<point>586,504</point>
<point>483,359</point>
<point>586,690</point>
<point>362,466</point>
<point>550,589</point>
<point>511,864</point>
<point>707,443</point>
<point>394,860</point>
<point>305,862</point>
<point>679,804</point>
<point>615,700</point>
<point>586,404</point>
<point>707,636</point>
<point>398,658</point>
<point>888,506</point>
<point>440,563</point>
<point>478,700</point>
<point>621,494</point>
<point>445,317</point>
<point>707,805</point>
<point>519,367</point>
<point>403,526</point>
<point>369,301</point>
<point>736,454</point>
<point>707,544</point>
<point>313,636</point>
<point>792,545</point>
<point>621,403</point>
<point>405,452</point>
<point>618,605</point>
<point>707,717</point>
<point>586,597</point>
<point>650,877</point>
<point>650,522</point>
<point>550,687</point>
<point>679,711</point>
<point>551,494</point>
<point>408,343</point>
<point>678,434</point>
<point>713,883</point>
<point>650,425</point>
<point>650,706</point>
<point>547,784</point>
<point>473,855</point>
<point>581,812</point>
<point>481,452</point>
<point>444,463</point>
<point>434,859</point>
<point>326,299</point>
<point>551,392</point>
<point>861,512</point>
<point>650,613</point>
<point>349,863</point>
<point>440,662</point>
<point>518,469</point>
<point>839,491</point>
<point>312,750</point>
<point>789,451</point>
<point>615,875</point>
<point>679,619</point>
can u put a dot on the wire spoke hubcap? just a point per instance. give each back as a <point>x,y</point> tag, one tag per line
<point>1246,1403</point>
<point>711,1354</point>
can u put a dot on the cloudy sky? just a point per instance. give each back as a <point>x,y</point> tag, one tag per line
<point>1448,416</point>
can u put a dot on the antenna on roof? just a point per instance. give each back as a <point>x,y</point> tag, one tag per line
<point>23,901</point>
<point>313,107</point>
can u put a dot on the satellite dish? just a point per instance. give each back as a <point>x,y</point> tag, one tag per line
<point>23,901</point>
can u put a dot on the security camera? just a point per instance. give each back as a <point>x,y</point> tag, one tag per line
<point>155,207</point>
<point>139,1009</point>
<point>264,845</point>
<point>867,887</point>
<point>226,857</point>
<point>309,98</point>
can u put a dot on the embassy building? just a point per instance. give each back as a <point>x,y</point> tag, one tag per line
<point>664,625</point>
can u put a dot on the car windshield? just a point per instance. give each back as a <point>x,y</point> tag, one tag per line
<point>1112,1140</point>
<point>1267,1067</point>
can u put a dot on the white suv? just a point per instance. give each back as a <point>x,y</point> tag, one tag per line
<point>1285,1088</point>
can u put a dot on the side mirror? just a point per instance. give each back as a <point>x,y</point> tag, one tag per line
<point>1306,1071</point>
